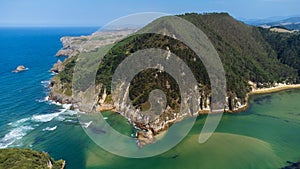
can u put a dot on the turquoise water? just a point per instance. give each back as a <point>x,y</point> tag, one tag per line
<point>264,136</point>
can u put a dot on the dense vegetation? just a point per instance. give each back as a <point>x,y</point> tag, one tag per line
<point>14,158</point>
<point>244,52</point>
<point>150,79</point>
<point>287,46</point>
<point>248,54</point>
<point>295,26</point>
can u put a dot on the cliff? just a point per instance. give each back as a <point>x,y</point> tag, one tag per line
<point>250,61</point>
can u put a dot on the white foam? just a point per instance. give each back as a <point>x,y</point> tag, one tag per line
<point>54,102</point>
<point>46,99</point>
<point>71,121</point>
<point>17,123</point>
<point>50,128</point>
<point>21,126</point>
<point>86,125</point>
<point>14,135</point>
<point>46,117</point>
<point>70,112</point>
<point>105,118</point>
<point>60,118</point>
<point>66,106</point>
<point>40,100</point>
<point>45,83</point>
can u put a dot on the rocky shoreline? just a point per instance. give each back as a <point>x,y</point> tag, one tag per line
<point>257,91</point>
<point>72,46</point>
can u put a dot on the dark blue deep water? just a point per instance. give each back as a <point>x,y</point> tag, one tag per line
<point>26,119</point>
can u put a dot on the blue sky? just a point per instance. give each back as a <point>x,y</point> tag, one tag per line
<point>99,12</point>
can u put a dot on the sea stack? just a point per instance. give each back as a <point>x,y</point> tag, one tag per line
<point>20,69</point>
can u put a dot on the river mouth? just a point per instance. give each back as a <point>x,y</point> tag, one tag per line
<point>263,136</point>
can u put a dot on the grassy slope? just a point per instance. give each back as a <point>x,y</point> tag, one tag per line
<point>14,158</point>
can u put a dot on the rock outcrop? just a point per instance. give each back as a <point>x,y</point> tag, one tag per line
<point>20,69</point>
<point>57,67</point>
<point>72,46</point>
<point>145,138</point>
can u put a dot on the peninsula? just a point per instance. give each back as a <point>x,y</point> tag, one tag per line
<point>256,60</point>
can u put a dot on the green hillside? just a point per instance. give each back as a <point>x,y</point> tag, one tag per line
<point>287,46</point>
<point>248,54</point>
<point>14,158</point>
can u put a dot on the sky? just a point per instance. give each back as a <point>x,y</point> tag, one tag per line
<point>100,12</point>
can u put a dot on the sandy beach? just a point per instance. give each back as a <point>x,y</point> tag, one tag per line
<point>279,87</point>
<point>274,89</point>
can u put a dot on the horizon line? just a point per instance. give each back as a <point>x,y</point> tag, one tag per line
<point>48,26</point>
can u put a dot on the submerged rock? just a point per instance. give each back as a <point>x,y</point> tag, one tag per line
<point>292,165</point>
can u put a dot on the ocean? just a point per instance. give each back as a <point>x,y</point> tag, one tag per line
<point>264,136</point>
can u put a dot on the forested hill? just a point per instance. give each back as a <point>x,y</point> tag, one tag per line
<point>248,54</point>
<point>287,46</point>
<point>244,51</point>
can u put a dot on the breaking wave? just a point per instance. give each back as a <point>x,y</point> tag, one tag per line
<point>50,128</point>
<point>22,127</point>
<point>14,135</point>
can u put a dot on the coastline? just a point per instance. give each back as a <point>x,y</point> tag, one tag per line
<point>280,87</point>
<point>149,137</point>
<point>259,91</point>
<point>237,105</point>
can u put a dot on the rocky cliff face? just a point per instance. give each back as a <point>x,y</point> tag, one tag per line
<point>61,91</point>
<point>248,60</point>
<point>149,125</point>
<point>57,67</point>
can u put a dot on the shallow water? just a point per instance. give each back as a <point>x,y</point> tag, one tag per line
<point>261,137</point>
